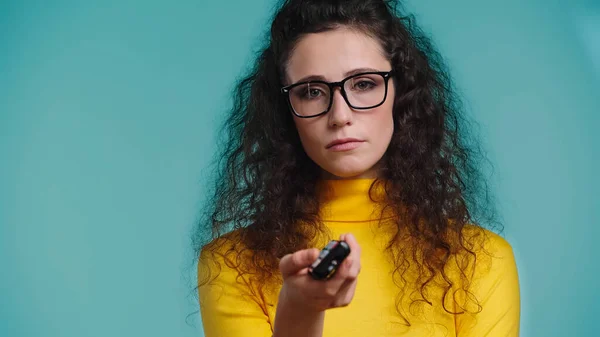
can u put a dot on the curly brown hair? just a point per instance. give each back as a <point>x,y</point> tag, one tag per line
<point>266,185</point>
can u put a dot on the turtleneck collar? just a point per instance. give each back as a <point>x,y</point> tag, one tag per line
<point>348,200</point>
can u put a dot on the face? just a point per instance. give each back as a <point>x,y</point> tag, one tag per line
<point>332,56</point>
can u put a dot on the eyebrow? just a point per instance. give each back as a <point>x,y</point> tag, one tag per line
<point>346,74</point>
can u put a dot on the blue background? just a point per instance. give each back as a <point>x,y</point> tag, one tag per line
<point>107,118</point>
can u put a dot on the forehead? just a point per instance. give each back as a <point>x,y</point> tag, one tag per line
<point>333,53</point>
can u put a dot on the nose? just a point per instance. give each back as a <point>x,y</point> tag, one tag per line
<point>340,113</point>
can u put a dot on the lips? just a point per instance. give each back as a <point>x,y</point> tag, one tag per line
<point>343,141</point>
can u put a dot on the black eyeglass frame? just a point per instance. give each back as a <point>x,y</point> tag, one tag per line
<point>332,85</point>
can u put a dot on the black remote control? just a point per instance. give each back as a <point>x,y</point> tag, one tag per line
<point>329,260</point>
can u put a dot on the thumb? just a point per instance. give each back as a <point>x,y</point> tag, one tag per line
<point>293,263</point>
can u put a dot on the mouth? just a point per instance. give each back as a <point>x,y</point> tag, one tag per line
<point>344,144</point>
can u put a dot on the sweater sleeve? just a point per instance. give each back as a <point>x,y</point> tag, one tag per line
<point>496,287</point>
<point>227,306</point>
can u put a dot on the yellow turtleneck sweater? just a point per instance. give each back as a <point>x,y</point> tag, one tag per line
<point>228,308</point>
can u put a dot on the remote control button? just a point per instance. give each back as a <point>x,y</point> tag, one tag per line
<point>331,244</point>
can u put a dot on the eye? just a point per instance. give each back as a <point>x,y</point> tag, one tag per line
<point>313,93</point>
<point>363,85</point>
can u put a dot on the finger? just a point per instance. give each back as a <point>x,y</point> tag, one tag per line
<point>345,294</point>
<point>352,262</point>
<point>351,240</point>
<point>291,264</point>
<point>350,268</point>
<point>342,274</point>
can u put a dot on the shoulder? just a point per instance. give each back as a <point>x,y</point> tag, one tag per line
<point>482,240</point>
<point>223,244</point>
<point>493,254</point>
<point>221,256</point>
<point>491,296</point>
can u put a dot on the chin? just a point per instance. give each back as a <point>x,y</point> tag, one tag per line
<point>347,173</point>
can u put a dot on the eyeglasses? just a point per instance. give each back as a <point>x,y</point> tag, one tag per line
<point>362,91</point>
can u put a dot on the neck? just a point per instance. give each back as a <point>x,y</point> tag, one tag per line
<point>357,199</point>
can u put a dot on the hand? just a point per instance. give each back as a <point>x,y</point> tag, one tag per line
<point>303,292</point>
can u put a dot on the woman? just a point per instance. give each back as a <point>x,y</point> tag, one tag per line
<point>348,128</point>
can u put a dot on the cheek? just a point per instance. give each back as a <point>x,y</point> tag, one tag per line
<point>382,127</point>
<point>308,134</point>
<point>382,119</point>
